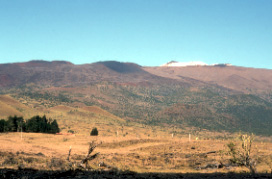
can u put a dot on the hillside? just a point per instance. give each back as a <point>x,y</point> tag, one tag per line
<point>77,119</point>
<point>247,80</point>
<point>208,97</point>
<point>235,113</point>
<point>10,106</point>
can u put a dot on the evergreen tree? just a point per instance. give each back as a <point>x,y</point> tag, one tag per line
<point>3,125</point>
<point>43,127</point>
<point>54,127</point>
<point>13,123</point>
<point>94,132</point>
<point>21,126</point>
<point>32,125</point>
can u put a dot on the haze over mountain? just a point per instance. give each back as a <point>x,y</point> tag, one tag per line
<point>215,97</point>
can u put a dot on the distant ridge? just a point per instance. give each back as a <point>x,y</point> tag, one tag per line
<point>44,63</point>
<point>39,62</point>
<point>121,67</point>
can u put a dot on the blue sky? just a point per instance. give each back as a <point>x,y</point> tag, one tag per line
<point>147,32</point>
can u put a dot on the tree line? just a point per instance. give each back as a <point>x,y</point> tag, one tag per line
<point>35,124</point>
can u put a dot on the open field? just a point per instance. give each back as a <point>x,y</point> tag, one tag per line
<point>141,155</point>
<point>123,146</point>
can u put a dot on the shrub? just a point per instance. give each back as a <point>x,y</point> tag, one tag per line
<point>242,156</point>
<point>94,132</point>
<point>71,131</point>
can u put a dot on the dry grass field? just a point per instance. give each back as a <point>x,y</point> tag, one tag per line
<point>139,154</point>
<point>122,145</point>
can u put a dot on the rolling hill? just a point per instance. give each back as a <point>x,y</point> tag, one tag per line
<point>78,119</point>
<point>210,97</point>
<point>10,106</point>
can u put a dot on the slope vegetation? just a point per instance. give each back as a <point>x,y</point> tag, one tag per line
<point>211,97</point>
<point>10,106</point>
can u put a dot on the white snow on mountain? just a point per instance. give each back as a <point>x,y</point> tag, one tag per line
<point>193,63</point>
<point>184,64</point>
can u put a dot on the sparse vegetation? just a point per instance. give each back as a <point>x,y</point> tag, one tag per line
<point>71,131</point>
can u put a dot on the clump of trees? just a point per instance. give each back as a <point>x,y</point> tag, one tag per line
<point>35,124</point>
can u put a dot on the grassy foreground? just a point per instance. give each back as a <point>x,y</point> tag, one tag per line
<point>127,153</point>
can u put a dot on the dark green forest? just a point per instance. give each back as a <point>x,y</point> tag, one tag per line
<point>35,124</point>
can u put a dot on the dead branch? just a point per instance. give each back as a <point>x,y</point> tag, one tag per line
<point>206,153</point>
<point>68,158</point>
<point>89,158</point>
<point>92,146</point>
<point>211,152</point>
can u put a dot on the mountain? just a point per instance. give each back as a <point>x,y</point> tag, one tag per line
<point>218,97</point>
<point>246,80</point>
<point>60,73</point>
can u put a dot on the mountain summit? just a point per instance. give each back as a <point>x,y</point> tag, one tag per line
<point>184,64</point>
<point>193,63</point>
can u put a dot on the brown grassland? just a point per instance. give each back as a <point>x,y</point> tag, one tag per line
<point>140,154</point>
<point>122,145</point>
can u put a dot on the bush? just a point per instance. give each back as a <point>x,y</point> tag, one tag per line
<point>242,156</point>
<point>71,131</point>
<point>94,132</point>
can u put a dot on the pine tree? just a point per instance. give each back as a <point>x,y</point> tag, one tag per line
<point>3,125</point>
<point>94,132</point>
<point>32,124</point>
<point>12,123</point>
<point>54,127</point>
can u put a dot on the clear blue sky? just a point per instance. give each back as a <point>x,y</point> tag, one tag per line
<point>147,32</point>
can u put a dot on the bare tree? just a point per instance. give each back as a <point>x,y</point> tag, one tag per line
<point>89,157</point>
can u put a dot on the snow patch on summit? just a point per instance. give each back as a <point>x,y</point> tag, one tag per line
<point>193,63</point>
<point>184,64</point>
